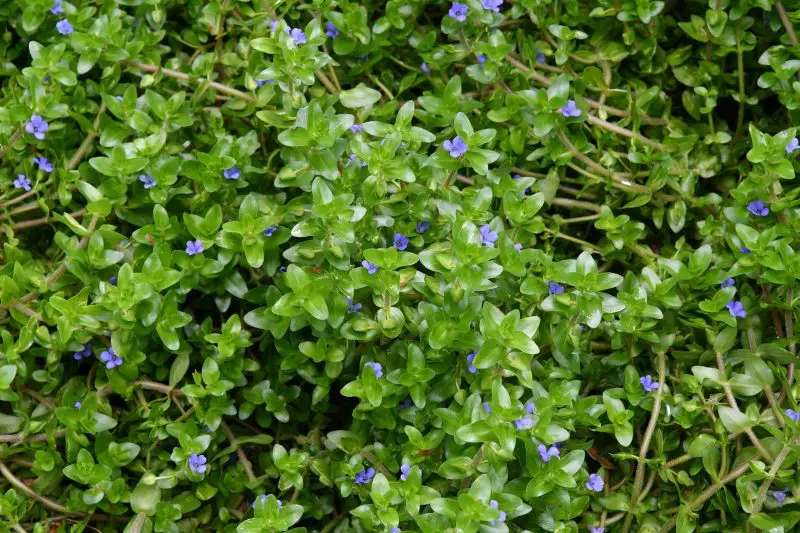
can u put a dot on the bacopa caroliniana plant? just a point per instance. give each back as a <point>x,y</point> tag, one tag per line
<point>398,266</point>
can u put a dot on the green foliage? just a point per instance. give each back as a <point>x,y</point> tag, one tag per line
<point>337,266</point>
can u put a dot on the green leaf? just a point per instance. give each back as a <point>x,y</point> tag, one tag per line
<point>359,96</point>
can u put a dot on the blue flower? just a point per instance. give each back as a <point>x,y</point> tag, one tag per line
<point>356,128</point>
<point>492,5</point>
<point>405,404</point>
<point>598,529</point>
<point>554,288</point>
<point>425,68</point>
<point>261,500</point>
<point>405,468</point>
<point>261,83</point>
<point>44,164</point>
<point>758,208</point>
<point>57,9</point>
<point>269,231</point>
<point>331,30</point>
<point>780,495</point>
<point>540,57</point>
<point>273,26</point>
<point>365,476</point>
<point>745,250</point>
<point>22,182</point>
<point>736,309</point>
<point>481,59</point>
<point>727,283</point>
<point>524,422</point>
<point>231,173</point>
<point>371,267</point>
<point>530,408</point>
<point>518,247</point>
<point>194,248</point>
<point>298,36</point>
<point>547,454</point>
<point>457,147</point>
<point>458,11</point>
<point>648,384</point>
<point>64,27</point>
<point>111,359</point>
<point>77,405</point>
<point>400,241</point>
<point>197,463</point>
<point>493,503</point>
<point>351,307</point>
<point>488,237</point>
<point>282,268</point>
<point>112,281</point>
<point>470,366</point>
<point>86,352</point>
<point>37,126</point>
<point>395,530</point>
<point>793,415</point>
<point>487,408</point>
<point>793,145</point>
<point>570,110</point>
<point>376,367</point>
<point>148,180</point>
<point>595,483</point>
<point>422,227</point>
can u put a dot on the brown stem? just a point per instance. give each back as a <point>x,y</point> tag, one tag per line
<point>566,202</point>
<point>619,130</point>
<point>87,142</point>
<point>41,437</point>
<point>787,24</point>
<point>248,468</point>
<point>32,223</point>
<point>219,87</point>
<point>47,502</point>
<point>327,82</point>
<point>762,493</point>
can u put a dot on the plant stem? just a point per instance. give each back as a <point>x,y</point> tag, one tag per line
<point>219,87</point>
<point>41,437</point>
<point>47,502</point>
<point>327,82</point>
<point>246,465</point>
<point>570,238</point>
<point>566,202</point>
<point>382,87</point>
<point>762,493</point>
<point>619,130</point>
<point>648,435</point>
<point>677,461</point>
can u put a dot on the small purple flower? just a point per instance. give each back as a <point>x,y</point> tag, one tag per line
<point>793,145</point>
<point>376,367</point>
<point>273,26</point>
<point>492,5</point>
<point>518,247</point>
<point>548,453</point>
<point>112,281</point>
<point>736,309</point>
<point>395,530</point>
<point>57,9</point>
<point>351,307</point>
<point>22,182</point>
<point>405,468</point>
<point>147,180</point>
<point>481,59</point>
<point>598,529</point>
<point>648,384</point>
<point>77,405</point>
<point>487,408</point>
<point>595,483</point>
<point>371,267</point>
<point>356,128</point>
<point>270,231</point>
<point>457,147</point>
<point>282,268</point>
<point>780,495</point>
<point>261,83</point>
<point>261,500</point>
<point>197,463</point>
<point>422,227</point>
<point>758,208</point>
<point>793,415</point>
<point>493,503</point>
<point>458,11</point>
<point>571,110</point>
<point>298,36</point>
<point>111,359</point>
<point>554,288</point>
<point>86,352</point>
<point>64,27</point>
<point>194,248</point>
<point>745,250</point>
<point>530,408</point>
<point>524,422</point>
<point>488,237</point>
<point>37,126</point>
<point>331,30</point>
<point>425,68</point>
<point>405,404</point>
<point>400,241</point>
<point>365,476</point>
<point>231,173</point>
<point>727,283</point>
<point>540,57</point>
<point>470,366</point>
<point>44,164</point>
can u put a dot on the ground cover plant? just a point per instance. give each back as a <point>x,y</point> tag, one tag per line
<point>398,266</point>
